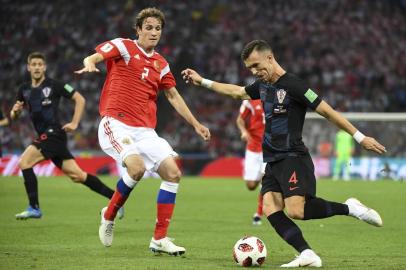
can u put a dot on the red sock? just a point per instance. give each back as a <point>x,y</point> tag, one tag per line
<point>164,215</point>
<point>115,203</point>
<point>260,203</point>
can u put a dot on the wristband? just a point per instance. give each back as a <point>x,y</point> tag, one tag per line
<point>206,83</point>
<point>358,136</point>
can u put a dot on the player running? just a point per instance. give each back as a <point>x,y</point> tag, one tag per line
<point>135,74</point>
<point>289,180</point>
<point>41,95</point>
<point>251,123</point>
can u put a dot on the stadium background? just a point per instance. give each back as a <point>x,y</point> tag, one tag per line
<point>351,52</point>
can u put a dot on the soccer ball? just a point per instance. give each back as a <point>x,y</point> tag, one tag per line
<point>249,251</point>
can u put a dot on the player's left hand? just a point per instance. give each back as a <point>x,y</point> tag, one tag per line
<point>371,144</point>
<point>203,131</point>
<point>69,127</point>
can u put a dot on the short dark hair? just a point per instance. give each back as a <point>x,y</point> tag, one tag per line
<point>255,45</point>
<point>149,12</point>
<point>35,55</point>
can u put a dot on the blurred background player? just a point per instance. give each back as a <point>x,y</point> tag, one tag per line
<point>41,95</point>
<point>344,148</point>
<point>135,75</point>
<point>251,123</point>
<point>4,121</point>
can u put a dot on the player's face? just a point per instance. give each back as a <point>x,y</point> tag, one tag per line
<point>150,33</point>
<point>260,65</point>
<point>37,68</point>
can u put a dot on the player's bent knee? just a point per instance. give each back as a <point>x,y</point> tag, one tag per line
<point>174,176</point>
<point>295,213</point>
<point>76,177</point>
<point>251,185</point>
<point>136,172</point>
<point>23,164</point>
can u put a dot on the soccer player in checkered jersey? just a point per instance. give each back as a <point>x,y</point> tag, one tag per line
<point>251,123</point>
<point>135,74</point>
<point>289,180</point>
<point>41,96</point>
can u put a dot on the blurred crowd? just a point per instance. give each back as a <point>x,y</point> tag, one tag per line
<point>352,52</point>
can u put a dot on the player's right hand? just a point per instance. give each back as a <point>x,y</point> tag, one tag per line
<point>245,136</point>
<point>191,76</point>
<point>371,144</point>
<point>18,107</point>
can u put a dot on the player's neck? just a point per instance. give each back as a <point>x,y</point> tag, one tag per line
<point>146,49</point>
<point>279,72</point>
<point>37,82</point>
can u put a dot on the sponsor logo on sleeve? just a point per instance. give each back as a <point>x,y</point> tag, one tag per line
<point>106,47</point>
<point>68,88</point>
<point>310,95</point>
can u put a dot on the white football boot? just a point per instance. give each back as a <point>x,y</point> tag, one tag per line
<point>106,229</point>
<point>307,258</point>
<point>165,245</point>
<point>362,212</point>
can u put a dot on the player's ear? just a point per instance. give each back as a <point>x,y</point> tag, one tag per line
<point>138,30</point>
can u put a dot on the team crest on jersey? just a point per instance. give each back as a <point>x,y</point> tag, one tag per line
<point>137,56</point>
<point>46,91</point>
<point>157,66</point>
<point>281,94</point>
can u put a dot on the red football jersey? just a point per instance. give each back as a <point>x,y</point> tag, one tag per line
<point>252,113</point>
<point>132,82</point>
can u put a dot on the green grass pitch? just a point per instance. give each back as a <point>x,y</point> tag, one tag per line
<point>211,215</point>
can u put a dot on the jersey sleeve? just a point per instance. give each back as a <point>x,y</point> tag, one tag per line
<point>167,79</point>
<point>253,90</point>
<point>108,49</point>
<point>244,110</point>
<point>19,96</point>
<point>65,89</point>
<point>304,94</point>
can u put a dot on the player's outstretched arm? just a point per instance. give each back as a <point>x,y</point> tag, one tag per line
<point>77,114</point>
<point>369,143</point>
<point>235,91</point>
<point>4,122</point>
<point>180,106</point>
<point>16,110</point>
<point>90,62</point>
<point>245,135</point>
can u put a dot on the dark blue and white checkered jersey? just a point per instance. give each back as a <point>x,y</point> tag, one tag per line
<point>285,103</point>
<point>43,102</point>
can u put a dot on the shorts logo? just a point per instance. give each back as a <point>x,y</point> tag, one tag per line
<point>293,180</point>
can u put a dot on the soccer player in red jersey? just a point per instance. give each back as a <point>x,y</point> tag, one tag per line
<point>251,123</point>
<point>135,74</point>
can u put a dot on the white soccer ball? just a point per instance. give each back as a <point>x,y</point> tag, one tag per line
<point>249,251</point>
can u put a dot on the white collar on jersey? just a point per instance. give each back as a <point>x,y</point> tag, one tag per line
<point>142,50</point>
